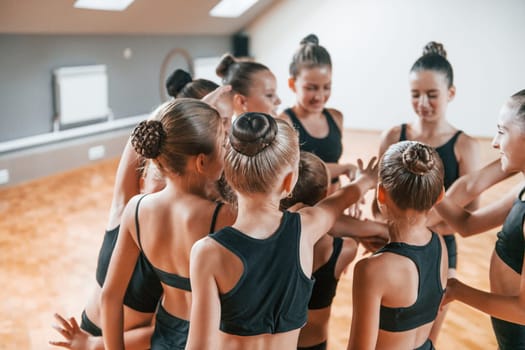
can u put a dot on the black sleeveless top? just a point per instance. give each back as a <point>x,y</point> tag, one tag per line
<point>447,155</point>
<point>325,282</point>
<point>172,279</point>
<point>427,259</point>
<point>329,148</point>
<point>510,244</point>
<point>273,292</point>
<point>144,288</point>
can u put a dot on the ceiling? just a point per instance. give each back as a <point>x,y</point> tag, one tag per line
<point>170,17</point>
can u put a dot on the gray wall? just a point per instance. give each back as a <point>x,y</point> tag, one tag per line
<point>27,63</point>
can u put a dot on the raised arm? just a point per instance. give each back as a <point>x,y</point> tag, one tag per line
<point>468,223</point>
<point>320,218</point>
<point>205,306</point>
<point>120,270</point>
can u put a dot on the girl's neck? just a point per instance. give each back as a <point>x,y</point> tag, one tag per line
<point>180,185</point>
<point>429,128</point>
<point>409,227</point>
<point>301,112</point>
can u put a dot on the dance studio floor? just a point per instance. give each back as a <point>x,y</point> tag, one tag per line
<point>51,230</point>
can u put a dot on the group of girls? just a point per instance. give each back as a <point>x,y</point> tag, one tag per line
<point>234,235</point>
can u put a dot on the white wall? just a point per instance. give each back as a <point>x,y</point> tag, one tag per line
<point>373,44</point>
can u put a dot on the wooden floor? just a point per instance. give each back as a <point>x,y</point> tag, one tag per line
<point>51,230</point>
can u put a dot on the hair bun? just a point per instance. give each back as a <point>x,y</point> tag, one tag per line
<point>418,159</point>
<point>148,137</point>
<point>253,132</point>
<point>310,39</point>
<point>177,81</point>
<point>224,65</point>
<point>434,48</point>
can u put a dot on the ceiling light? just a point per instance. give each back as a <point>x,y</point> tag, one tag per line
<point>108,5</point>
<point>231,8</point>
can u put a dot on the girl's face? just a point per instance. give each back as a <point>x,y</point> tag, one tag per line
<point>262,96</point>
<point>510,140</point>
<point>430,94</point>
<point>313,87</point>
<point>225,108</point>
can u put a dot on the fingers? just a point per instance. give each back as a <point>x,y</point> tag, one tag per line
<point>59,343</point>
<point>216,94</point>
<point>74,324</point>
<point>65,324</point>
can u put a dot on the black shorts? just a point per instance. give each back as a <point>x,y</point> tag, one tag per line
<point>89,326</point>
<point>170,332</point>
<point>510,336</point>
<point>321,346</point>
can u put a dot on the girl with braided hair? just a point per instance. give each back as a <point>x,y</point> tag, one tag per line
<point>185,140</point>
<point>252,280</point>
<point>398,290</point>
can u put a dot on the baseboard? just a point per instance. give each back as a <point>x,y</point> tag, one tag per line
<point>51,154</point>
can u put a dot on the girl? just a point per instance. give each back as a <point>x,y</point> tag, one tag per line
<point>331,254</point>
<point>253,84</point>
<point>432,87</point>
<point>252,280</point>
<point>320,128</point>
<point>397,291</point>
<point>505,303</point>
<point>186,143</point>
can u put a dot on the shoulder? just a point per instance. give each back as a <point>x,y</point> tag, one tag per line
<point>205,253</point>
<point>466,145</point>
<point>284,116</point>
<point>389,137</point>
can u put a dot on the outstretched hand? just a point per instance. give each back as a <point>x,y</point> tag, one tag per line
<point>75,338</point>
<point>370,171</point>
<point>452,285</point>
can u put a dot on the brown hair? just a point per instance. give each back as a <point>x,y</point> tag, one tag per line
<point>238,73</point>
<point>517,102</point>
<point>310,54</point>
<point>412,174</point>
<point>179,129</point>
<point>312,182</point>
<point>434,58</point>
<point>261,147</point>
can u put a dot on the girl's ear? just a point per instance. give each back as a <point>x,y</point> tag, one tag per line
<point>451,93</point>
<point>441,195</point>
<point>381,194</point>
<point>239,103</point>
<point>291,84</point>
<point>288,183</point>
<point>200,163</point>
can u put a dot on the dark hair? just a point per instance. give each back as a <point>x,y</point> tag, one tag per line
<point>310,54</point>
<point>181,84</point>
<point>238,73</point>
<point>179,129</point>
<point>261,147</point>
<point>518,101</point>
<point>412,174</point>
<point>312,182</point>
<point>435,58</point>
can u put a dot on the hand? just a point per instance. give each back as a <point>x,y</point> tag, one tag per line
<point>450,292</point>
<point>213,97</point>
<point>76,339</point>
<point>350,170</point>
<point>371,170</point>
<point>373,243</point>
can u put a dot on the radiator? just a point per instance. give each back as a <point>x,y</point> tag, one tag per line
<point>81,95</point>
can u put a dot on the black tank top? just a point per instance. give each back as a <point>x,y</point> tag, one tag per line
<point>329,148</point>
<point>144,288</point>
<point>447,155</point>
<point>430,291</point>
<point>273,292</point>
<point>325,282</point>
<point>172,279</point>
<point>510,243</point>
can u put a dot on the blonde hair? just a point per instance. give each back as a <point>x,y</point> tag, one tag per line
<point>261,148</point>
